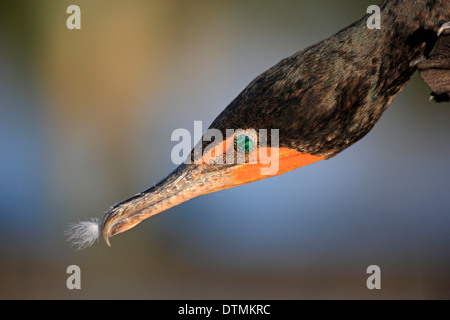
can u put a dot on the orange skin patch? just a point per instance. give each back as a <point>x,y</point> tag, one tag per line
<point>288,160</point>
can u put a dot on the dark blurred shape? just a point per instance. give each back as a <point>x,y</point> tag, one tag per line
<point>435,70</point>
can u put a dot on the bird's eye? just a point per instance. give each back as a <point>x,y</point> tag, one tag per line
<point>244,142</point>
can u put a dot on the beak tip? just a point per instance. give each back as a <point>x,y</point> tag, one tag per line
<point>105,235</point>
<point>106,239</point>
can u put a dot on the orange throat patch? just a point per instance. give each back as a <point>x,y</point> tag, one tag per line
<point>285,160</point>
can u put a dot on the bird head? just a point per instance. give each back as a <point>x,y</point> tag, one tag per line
<point>240,157</point>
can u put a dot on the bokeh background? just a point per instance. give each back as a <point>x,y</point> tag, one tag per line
<point>85,121</point>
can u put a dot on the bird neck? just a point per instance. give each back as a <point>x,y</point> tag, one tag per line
<point>419,13</point>
<point>408,29</point>
<point>366,69</point>
<point>407,32</point>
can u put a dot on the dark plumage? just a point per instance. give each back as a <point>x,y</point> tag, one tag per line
<point>435,70</point>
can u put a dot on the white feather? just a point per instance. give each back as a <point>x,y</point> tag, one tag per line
<point>83,234</point>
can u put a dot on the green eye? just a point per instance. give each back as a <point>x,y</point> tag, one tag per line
<point>244,142</point>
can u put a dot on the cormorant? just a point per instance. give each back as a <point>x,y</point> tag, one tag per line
<point>321,99</point>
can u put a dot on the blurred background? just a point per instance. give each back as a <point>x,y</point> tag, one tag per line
<point>85,121</point>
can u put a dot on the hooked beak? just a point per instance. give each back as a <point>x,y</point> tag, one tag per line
<point>186,182</point>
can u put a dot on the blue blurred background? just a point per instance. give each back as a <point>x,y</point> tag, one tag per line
<point>85,121</point>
